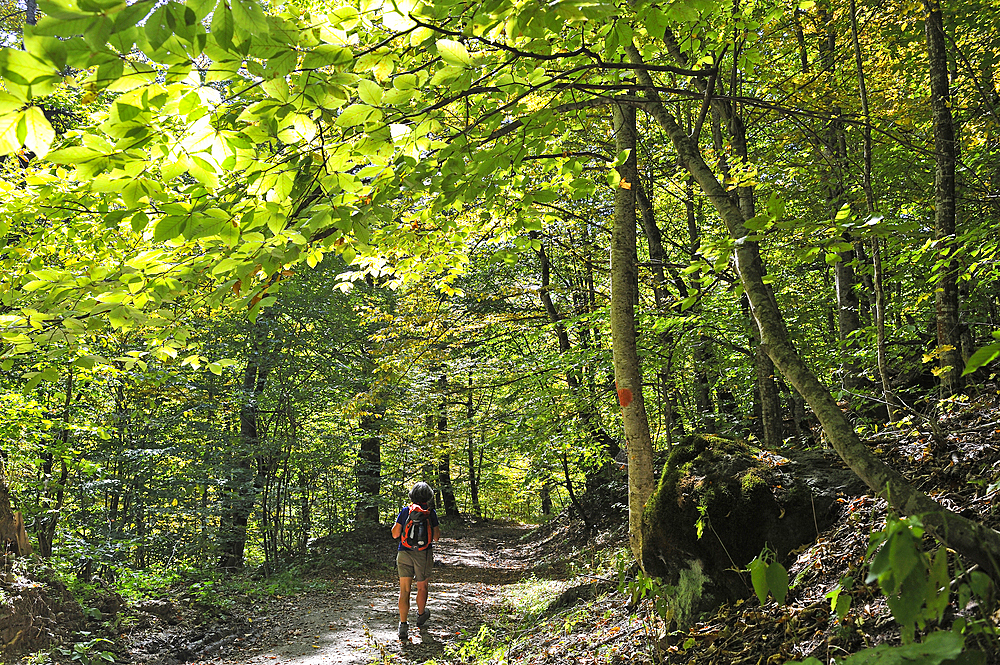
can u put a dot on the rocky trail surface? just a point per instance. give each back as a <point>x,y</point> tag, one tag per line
<point>358,622</point>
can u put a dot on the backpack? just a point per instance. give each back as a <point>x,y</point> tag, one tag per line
<point>416,534</point>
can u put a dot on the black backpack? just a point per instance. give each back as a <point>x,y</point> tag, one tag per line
<point>416,533</point>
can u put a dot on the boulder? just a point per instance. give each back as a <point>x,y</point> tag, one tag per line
<point>720,501</point>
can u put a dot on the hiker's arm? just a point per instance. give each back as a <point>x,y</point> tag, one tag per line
<point>397,528</point>
<point>435,533</point>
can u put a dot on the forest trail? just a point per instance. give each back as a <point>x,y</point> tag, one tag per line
<point>358,625</point>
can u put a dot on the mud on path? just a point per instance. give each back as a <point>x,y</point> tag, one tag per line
<point>357,624</point>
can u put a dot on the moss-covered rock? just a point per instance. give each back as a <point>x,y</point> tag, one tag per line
<point>719,501</point>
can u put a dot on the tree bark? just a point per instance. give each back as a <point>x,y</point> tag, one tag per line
<point>835,152</point>
<point>470,413</point>
<point>624,296</point>
<point>240,493</point>
<point>980,544</point>
<point>55,491</point>
<point>657,258</point>
<point>577,506</point>
<point>369,468</point>
<point>767,390</point>
<point>13,538</point>
<point>945,206</point>
<point>872,205</point>
<point>444,462</point>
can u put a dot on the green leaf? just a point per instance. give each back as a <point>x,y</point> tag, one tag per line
<point>370,92</point>
<point>354,115</point>
<point>985,355</point>
<point>939,582</point>
<point>395,15</point>
<point>903,554</point>
<point>9,103</point>
<point>936,648</point>
<point>39,133</point>
<point>46,48</point>
<point>879,565</point>
<point>361,231</point>
<point>656,22</point>
<point>250,18</point>
<point>758,576</point>
<point>842,606</point>
<point>223,25</point>
<point>777,581</point>
<point>225,266</point>
<point>201,8</point>
<point>454,52</point>
<point>282,64</point>
<point>169,227</point>
<point>276,88</point>
<point>326,55</point>
<point>23,68</point>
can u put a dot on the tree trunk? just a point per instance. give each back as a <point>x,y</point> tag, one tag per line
<point>369,468</point>
<point>980,544</point>
<point>55,490</point>
<point>766,389</point>
<point>470,412</point>
<point>657,259</point>
<point>835,152</point>
<point>444,462</point>
<point>13,538</point>
<point>624,296</point>
<point>240,493</point>
<point>945,207</point>
<point>866,180</point>
<point>577,506</point>
<point>770,398</point>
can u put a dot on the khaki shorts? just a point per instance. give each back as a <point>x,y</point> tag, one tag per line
<point>415,564</point>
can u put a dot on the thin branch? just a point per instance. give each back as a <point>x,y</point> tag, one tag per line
<point>582,51</point>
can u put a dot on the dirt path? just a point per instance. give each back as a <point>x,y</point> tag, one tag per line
<point>358,625</point>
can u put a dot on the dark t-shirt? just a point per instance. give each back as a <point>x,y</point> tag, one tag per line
<point>432,522</point>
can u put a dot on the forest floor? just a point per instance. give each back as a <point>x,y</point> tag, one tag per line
<point>354,619</point>
<point>507,593</point>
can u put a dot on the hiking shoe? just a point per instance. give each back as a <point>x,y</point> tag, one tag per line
<point>423,617</point>
<point>404,631</point>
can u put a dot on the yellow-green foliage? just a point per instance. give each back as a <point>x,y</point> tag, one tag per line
<point>750,481</point>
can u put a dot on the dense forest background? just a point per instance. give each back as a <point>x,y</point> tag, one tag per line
<point>265,267</point>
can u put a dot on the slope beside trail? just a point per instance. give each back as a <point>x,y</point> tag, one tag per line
<point>357,623</point>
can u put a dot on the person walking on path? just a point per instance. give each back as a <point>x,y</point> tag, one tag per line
<point>414,562</point>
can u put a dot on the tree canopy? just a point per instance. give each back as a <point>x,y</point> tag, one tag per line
<point>265,264</point>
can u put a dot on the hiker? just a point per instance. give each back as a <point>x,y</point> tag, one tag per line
<point>416,534</point>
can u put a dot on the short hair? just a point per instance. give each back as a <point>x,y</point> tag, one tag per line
<point>421,493</point>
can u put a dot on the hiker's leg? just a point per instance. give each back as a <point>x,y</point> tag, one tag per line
<point>404,566</point>
<point>421,596</point>
<point>404,597</point>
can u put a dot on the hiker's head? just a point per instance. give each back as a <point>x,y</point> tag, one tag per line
<point>421,493</point>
